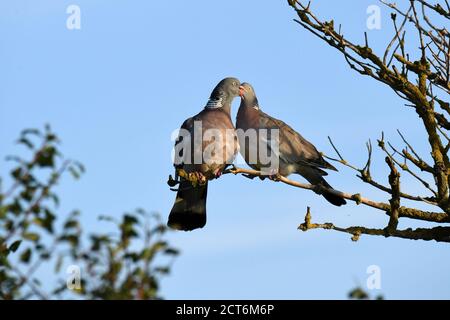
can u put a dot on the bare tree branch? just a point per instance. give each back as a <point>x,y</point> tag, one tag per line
<point>424,84</point>
<point>438,234</point>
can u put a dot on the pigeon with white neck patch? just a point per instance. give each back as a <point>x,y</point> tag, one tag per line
<point>210,145</point>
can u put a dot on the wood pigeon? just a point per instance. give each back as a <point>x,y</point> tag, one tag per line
<point>206,145</point>
<point>294,153</point>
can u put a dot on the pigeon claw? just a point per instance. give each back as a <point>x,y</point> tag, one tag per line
<point>218,174</point>
<point>197,178</point>
<point>274,176</point>
<point>201,178</point>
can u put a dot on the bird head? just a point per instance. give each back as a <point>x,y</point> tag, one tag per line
<point>228,88</point>
<point>248,95</point>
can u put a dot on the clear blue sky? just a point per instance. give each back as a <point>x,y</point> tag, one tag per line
<point>116,89</point>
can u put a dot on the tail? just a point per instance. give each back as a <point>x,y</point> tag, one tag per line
<point>331,198</point>
<point>189,210</point>
<point>315,178</point>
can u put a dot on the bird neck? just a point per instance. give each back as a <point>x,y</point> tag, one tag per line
<point>223,103</point>
<point>250,103</point>
<point>227,107</point>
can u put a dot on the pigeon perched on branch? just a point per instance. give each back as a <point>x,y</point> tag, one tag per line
<point>293,153</point>
<point>206,145</point>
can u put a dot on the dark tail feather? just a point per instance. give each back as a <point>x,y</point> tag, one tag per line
<point>332,198</point>
<point>189,211</point>
<point>315,178</point>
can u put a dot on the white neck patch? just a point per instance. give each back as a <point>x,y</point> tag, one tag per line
<point>214,104</point>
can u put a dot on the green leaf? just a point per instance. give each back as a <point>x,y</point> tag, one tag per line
<point>71,224</point>
<point>15,245</point>
<point>172,252</point>
<point>16,173</point>
<point>4,261</point>
<point>28,194</point>
<point>31,236</point>
<point>130,220</point>
<point>98,242</point>
<point>73,239</point>
<point>48,220</point>
<point>26,132</point>
<point>80,166</point>
<point>3,247</point>
<point>160,245</point>
<point>25,257</point>
<point>9,225</point>
<point>3,212</point>
<point>106,218</point>
<point>147,254</point>
<point>132,256</point>
<point>46,157</point>
<point>51,137</point>
<point>15,207</point>
<point>162,270</point>
<point>55,199</point>
<point>358,294</point>
<point>160,229</point>
<point>59,263</point>
<point>45,255</point>
<point>26,142</point>
<point>75,174</point>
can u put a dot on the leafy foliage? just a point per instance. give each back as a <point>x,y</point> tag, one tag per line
<point>360,294</point>
<point>125,263</point>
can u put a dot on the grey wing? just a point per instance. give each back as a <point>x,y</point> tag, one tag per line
<point>293,148</point>
<point>183,142</point>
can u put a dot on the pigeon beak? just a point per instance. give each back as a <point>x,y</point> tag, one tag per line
<point>242,91</point>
